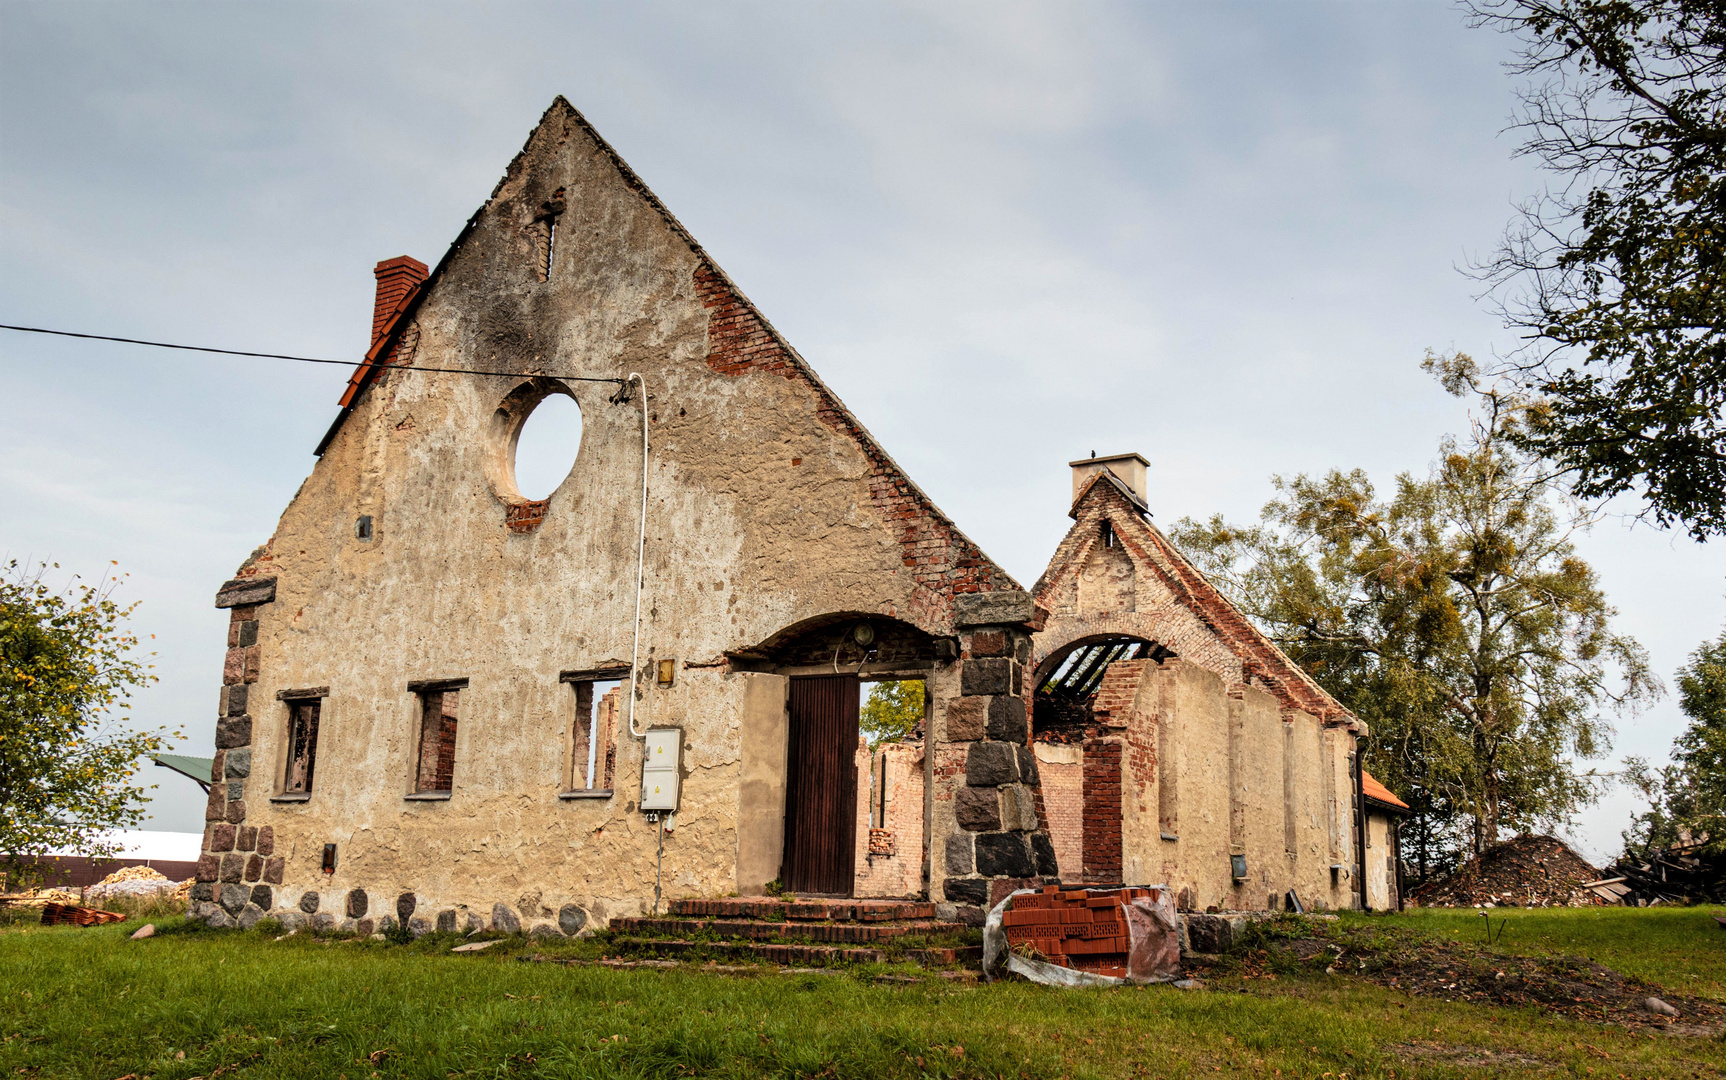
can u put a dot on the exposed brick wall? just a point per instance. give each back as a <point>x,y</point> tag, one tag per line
<point>1113,704</point>
<point>1064,807</point>
<point>1102,810</point>
<point>941,560</point>
<point>900,873</point>
<point>1196,622</point>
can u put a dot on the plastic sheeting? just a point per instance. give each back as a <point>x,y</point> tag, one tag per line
<point>1154,954</point>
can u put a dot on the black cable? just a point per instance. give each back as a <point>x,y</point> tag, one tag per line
<point>308,359</point>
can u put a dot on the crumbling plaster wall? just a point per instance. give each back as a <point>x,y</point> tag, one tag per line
<point>761,513</point>
<point>1290,781</point>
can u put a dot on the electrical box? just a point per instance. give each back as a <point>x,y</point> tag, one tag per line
<point>661,769</point>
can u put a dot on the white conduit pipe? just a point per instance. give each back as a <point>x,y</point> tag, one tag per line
<point>640,561</point>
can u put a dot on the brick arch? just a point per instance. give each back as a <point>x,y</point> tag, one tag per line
<point>1042,663</point>
<point>1061,635</point>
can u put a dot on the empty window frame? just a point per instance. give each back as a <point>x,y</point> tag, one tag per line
<point>305,710</point>
<point>593,731</point>
<point>434,758</point>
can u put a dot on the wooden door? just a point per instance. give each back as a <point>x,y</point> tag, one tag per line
<point>821,788</point>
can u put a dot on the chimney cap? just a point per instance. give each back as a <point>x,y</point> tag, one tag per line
<point>1106,458</point>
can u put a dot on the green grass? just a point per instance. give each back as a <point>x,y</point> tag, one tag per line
<point>91,1004</point>
<point>1681,948</point>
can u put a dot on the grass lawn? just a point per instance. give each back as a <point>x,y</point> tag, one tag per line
<point>92,1004</point>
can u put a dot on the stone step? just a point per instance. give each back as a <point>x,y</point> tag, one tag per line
<point>841,933</point>
<point>789,955</point>
<point>855,911</point>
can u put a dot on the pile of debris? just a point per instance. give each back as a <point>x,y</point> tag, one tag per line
<point>137,882</point>
<point>1681,874</point>
<point>1529,871</point>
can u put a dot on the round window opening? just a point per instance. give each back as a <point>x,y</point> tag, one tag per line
<point>546,447</point>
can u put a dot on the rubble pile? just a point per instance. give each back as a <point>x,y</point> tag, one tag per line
<point>1529,871</point>
<point>140,882</point>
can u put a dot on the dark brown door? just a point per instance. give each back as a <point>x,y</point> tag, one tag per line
<point>821,790</point>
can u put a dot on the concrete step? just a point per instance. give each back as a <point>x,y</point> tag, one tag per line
<point>789,955</point>
<point>855,911</point>
<point>841,933</point>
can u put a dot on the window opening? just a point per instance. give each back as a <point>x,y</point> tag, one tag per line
<point>547,446</point>
<point>438,709</point>
<point>597,705</point>
<point>543,232</point>
<point>1108,533</point>
<point>302,745</point>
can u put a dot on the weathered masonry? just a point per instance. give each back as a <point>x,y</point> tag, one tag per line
<point>450,704</point>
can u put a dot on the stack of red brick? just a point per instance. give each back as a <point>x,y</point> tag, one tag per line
<point>1076,928</point>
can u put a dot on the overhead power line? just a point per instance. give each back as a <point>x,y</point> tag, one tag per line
<point>307,359</point>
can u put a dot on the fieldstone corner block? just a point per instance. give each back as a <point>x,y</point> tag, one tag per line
<point>309,902</point>
<point>247,634</point>
<point>978,678</point>
<point>571,919</point>
<point>217,919</point>
<point>1003,607</point>
<point>236,812</point>
<point>967,719</point>
<point>221,837</point>
<point>209,868</point>
<point>231,702</point>
<point>1018,808</point>
<point>989,643</point>
<point>274,868</point>
<point>966,890</point>
<point>239,763</point>
<point>203,890</point>
<point>264,897</point>
<point>1027,764</point>
<point>958,850</point>
<point>357,903</point>
<point>234,731</point>
<point>267,840</point>
<point>991,764</point>
<point>406,903</point>
<point>216,806</point>
<point>504,920</point>
<point>976,809</point>
<point>233,867</point>
<point>1043,851</point>
<point>234,897</point>
<point>1007,719</point>
<point>246,838</point>
<point>254,868</point>
<point>244,592</point>
<point>1004,855</point>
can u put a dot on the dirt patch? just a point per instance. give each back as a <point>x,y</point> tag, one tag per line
<point>1453,971</point>
<point>1529,871</point>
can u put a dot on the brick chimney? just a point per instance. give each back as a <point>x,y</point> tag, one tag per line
<point>1129,469</point>
<point>398,279</point>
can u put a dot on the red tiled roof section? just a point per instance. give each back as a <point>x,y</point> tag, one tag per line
<point>399,281</point>
<point>1377,792</point>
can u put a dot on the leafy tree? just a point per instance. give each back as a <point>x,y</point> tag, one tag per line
<point>1615,274</point>
<point>891,711</point>
<point>1688,797</point>
<point>66,758</point>
<point>1454,617</point>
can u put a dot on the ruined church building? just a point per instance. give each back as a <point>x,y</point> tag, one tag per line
<point>453,705</point>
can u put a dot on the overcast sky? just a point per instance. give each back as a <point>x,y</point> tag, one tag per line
<point>1219,234</point>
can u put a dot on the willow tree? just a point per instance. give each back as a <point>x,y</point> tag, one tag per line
<point>1454,617</point>
<point>68,756</point>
